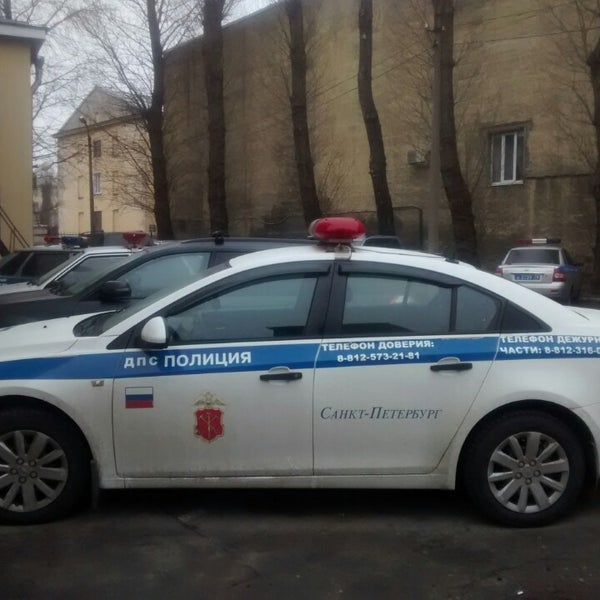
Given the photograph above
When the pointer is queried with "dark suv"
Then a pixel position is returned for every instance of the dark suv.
(152, 269)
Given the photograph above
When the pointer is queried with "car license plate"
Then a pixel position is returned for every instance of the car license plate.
(527, 277)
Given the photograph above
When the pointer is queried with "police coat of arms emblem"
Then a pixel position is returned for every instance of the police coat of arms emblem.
(209, 417)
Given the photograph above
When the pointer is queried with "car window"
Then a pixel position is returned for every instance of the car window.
(42, 262)
(476, 311)
(277, 307)
(88, 280)
(98, 324)
(165, 272)
(387, 305)
(515, 320)
(548, 256)
(11, 263)
(88, 265)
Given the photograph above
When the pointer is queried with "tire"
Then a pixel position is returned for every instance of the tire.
(542, 487)
(44, 466)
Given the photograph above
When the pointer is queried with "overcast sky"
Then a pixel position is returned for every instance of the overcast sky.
(248, 6)
(54, 117)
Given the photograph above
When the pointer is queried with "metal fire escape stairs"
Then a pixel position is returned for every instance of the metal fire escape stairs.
(10, 236)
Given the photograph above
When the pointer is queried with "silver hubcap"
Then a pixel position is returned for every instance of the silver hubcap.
(528, 472)
(33, 470)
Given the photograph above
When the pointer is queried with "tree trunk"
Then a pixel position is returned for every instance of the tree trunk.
(154, 121)
(377, 160)
(7, 4)
(212, 53)
(593, 61)
(457, 192)
(298, 103)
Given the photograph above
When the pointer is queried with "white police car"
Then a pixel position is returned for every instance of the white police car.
(76, 268)
(29, 263)
(542, 265)
(309, 366)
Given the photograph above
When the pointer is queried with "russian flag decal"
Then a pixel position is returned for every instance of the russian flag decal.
(139, 397)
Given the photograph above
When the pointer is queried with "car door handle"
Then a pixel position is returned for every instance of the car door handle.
(286, 376)
(453, 366)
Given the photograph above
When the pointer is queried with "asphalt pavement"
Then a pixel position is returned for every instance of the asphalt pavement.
(287, 544)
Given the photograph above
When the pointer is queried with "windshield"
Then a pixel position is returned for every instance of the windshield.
(98, 324)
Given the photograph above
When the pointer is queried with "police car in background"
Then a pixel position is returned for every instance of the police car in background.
(38, 266)
(78, 267)
(324, 365)
(27, 264)
(542, 265)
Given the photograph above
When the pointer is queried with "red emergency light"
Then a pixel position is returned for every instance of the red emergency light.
(336, 230)
(134, 238)
(52, 239)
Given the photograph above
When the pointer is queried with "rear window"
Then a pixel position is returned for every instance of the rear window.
(42, 262)
(12, 263)
(548, 256)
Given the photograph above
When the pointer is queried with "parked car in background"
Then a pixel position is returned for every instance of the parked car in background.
(544, 266)
(80, 266)
(144, 273)
(33, 262)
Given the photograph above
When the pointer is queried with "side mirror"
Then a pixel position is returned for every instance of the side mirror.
(115, 291)
(154, 333)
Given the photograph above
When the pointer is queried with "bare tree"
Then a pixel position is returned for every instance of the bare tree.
(377, 161)
(55, 79)
(213, 12)
(578, 54)
(299, 111)
(130, 42)
(457, 191)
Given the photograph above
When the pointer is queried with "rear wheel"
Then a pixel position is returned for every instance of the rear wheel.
(44, 466)
(524, 469)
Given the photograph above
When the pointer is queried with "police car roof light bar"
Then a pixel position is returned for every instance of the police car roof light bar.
(73, 241)
(336, 230)
(134, 238)
(51, 239)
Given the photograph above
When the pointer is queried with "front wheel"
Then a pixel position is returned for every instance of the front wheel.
(44, 466)
(524, 469)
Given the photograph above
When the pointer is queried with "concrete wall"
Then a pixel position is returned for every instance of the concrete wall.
(512, 68)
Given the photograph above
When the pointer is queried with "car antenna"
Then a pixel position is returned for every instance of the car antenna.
(218, 237)
(452, 258)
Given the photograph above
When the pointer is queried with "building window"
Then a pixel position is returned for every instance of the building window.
(97, 145)
(97, 184)
(81, 185)
(506, 157)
